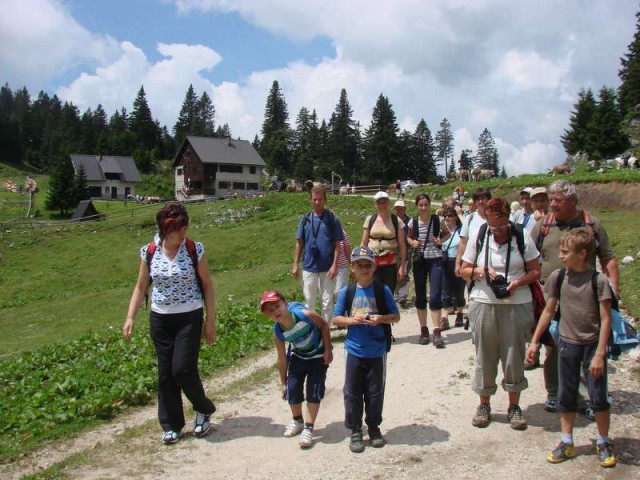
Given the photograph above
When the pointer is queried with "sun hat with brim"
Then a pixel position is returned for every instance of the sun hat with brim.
(538, 191)
(527, 190)
(381, 196)
(399, 203)
(362, 253)
(270, 296)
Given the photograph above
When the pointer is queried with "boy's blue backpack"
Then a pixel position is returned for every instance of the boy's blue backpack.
(622, 337)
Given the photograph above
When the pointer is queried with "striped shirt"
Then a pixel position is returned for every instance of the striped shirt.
(431, 250)
(303, 336)
(344, 252)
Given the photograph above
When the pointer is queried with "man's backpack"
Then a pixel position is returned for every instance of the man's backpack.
(622, 336)
(307, 218)
(549, 221)
(193, 254)
(381, 304)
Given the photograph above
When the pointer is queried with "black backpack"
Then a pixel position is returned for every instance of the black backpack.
(306, 218)
(394, 221)
(378, 290)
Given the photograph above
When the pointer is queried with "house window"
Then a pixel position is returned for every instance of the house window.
(179, 171)
(252, 186)
(107, 190)
(230, 168)
(112, 176)
(252, 170)
(238, 185)
(224, 184)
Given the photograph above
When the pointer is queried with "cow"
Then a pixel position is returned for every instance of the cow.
(561, 169)
(463, 175)
(633, 162)
(485, 174)
(475, 174)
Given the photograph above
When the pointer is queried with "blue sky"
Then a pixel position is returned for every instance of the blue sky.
(512, 67)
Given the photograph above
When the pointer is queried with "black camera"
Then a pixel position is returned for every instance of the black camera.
(499, 287)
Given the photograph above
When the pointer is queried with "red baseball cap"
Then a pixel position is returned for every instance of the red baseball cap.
(270, 296)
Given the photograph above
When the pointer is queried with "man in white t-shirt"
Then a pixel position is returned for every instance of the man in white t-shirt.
(525, 216)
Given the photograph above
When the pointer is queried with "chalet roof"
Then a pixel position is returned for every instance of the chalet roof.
(95, 167)
(222, 150)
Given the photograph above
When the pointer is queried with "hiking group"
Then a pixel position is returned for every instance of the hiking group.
(507, 267)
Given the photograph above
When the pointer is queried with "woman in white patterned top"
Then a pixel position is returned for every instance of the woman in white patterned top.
(178, 270)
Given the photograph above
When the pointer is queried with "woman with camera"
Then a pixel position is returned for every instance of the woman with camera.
(500, 308)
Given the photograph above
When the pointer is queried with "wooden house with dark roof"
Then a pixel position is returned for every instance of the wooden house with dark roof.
(108, 176)
(217, 166)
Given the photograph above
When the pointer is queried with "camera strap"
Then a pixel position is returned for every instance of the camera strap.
(486, 256)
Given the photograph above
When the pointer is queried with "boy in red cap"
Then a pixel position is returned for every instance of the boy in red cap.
(309, 356)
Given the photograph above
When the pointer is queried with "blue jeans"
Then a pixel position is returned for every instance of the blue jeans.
(364, 390)
(428, 268)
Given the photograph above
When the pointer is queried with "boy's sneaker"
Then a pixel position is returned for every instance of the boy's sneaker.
(201, 425)
(424, 336)
(482, 416)
(306, 438)
(459, 320)
(437, 339)
(561, 453)
(293, 429)
(516, 419)
(605, 455)
(356, 444)
(170, 437)
(376, 438)
(551, 405)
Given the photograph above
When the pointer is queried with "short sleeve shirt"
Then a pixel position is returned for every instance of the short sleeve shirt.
(431, 250)
(471, 224)
(365, 341)
(320, 234)
(481, 291)
(383, 236)
(174, 282)
(304, 335)
(579, 311)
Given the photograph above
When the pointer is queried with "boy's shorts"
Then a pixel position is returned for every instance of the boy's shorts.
(315, 371)
(570, 358)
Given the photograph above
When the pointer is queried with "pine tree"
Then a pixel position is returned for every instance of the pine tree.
(343, 146)
(610, 140)
(487, 154)
(381, 158)
(580, 137)
(503, 172)
(205, 114)
(424, 150)
(142, 127)
(303, 164)
(223, 131)
(444, 144)
(629, 74)
(80, 188)
(466, 160)
(61, 193)
(276, 134)
(187, 116)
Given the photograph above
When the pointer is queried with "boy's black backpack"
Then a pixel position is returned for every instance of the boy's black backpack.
(613, 349)
(378, 290)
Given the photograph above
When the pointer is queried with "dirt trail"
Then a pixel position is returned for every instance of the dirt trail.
(427, 423)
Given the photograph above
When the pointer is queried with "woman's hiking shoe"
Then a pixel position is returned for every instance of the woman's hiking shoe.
(293, 429)
(201, 425)
(356, 444)
(376, 438)
(170, 437)
(482, 417)
(444, 324)
(517, 421)
(561, 453)
(605, 455)
(437, 339)
(551, 406)
(424, 336)
(459, 320)
(306, 438)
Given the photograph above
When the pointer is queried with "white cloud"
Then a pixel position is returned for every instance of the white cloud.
(530, 69)
(533, 157)
(41, 40)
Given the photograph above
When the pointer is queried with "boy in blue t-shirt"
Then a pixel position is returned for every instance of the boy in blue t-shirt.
(310, 353)
(584, 327)
(366, 346)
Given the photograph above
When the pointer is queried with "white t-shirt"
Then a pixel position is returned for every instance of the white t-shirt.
(481, 291)
(471, 224)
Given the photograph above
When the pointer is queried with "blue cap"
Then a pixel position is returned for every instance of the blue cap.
(362, 253)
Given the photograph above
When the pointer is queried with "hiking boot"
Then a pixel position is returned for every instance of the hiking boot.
(437, 339)
(294, 428)
(561, 453)
(356, 444)
(605, 455)
(444, 324)
(170, 437)
(459, 320)
(201, 425)
(424, 336)
(517, 421)
(306, 438)
(551, 405)
(482, 416)
(376, 438)
(466, 324)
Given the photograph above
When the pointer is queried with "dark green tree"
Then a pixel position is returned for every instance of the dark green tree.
(187, 116)
(206, 112)
(466, 160)
(119, 138)
(503, 172)
(629, 74)
(10, 148)
(611, 140)
(80, 187)
(381, 160)
(343, 140)
(424, 151)
(143, 129)
(276, 134)
(61, 194)
(487, 154)
(582, 132)
(302, 161)
(223, 131)
(444, 144)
